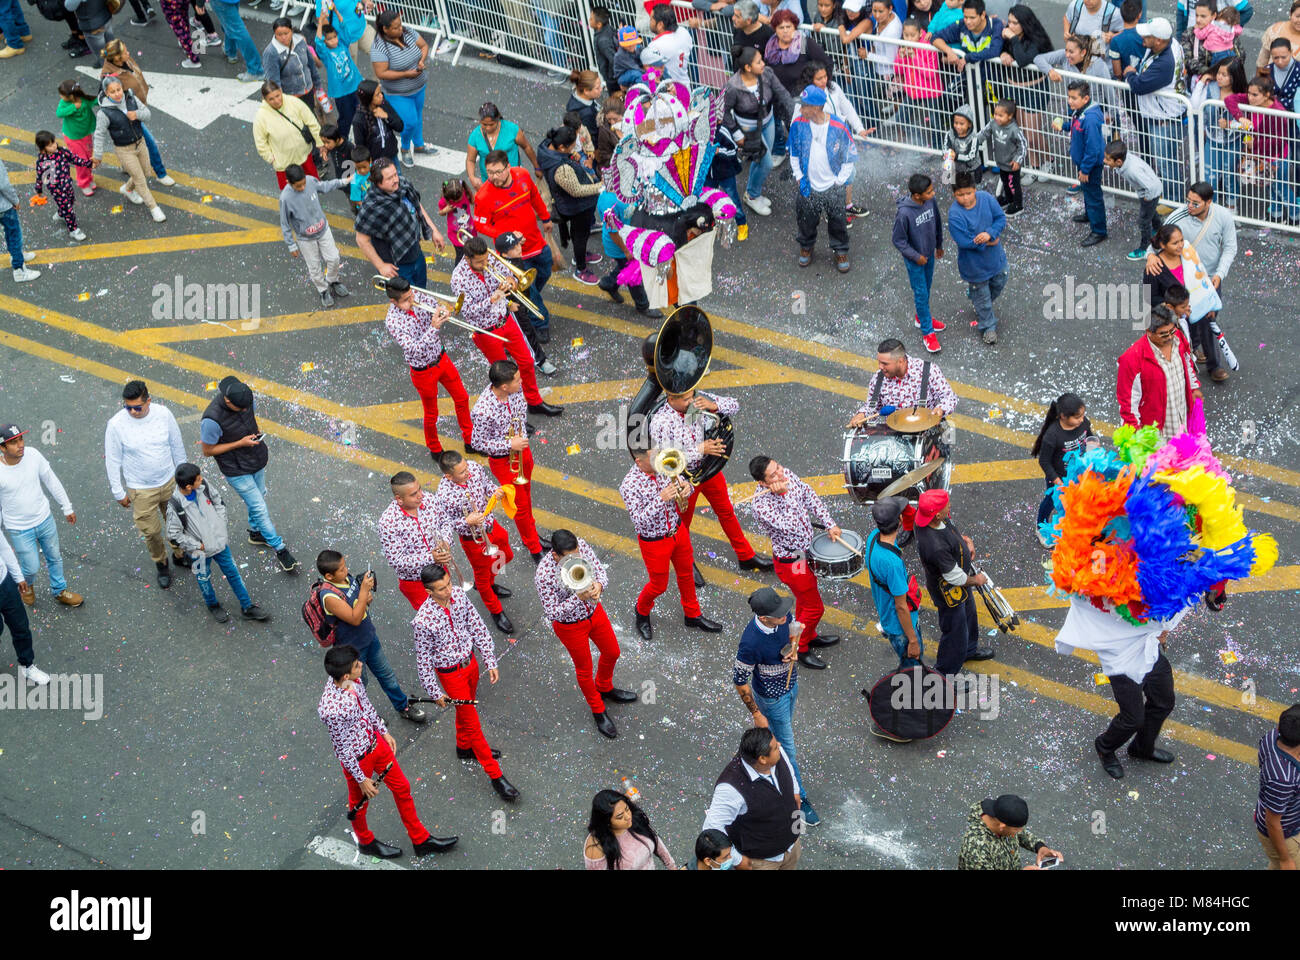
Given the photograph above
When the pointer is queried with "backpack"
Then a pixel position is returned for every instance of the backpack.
(320, 623)
(50, 9)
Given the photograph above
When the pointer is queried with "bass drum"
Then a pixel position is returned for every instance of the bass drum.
(832, 560)
(876, 455)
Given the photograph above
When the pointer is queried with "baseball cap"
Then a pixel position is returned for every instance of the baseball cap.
(237, 392)
(766, 602)
(813, 95)
(887, 511)
(10, 432)
(1009, 808)
(1158, 28)
(929, 504)
(508, 240)
(628, 37)
(853, 6)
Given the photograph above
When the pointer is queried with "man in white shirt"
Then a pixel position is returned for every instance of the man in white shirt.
(756, 803)
(822, 157)
(27, 515)
(143, 448)
(671, 47)
(14, 616)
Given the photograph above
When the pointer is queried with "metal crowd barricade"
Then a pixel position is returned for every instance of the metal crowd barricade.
(550, 34)
(1252, 175)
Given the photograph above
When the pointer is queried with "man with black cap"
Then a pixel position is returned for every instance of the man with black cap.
(767, 652)
(946, 556)
(511, 247)
(27, 516)
(229, 433)
(891, 588)
(995, 832)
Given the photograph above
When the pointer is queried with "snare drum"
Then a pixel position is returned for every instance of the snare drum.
(836, 561)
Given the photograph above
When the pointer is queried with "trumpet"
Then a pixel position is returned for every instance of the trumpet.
(506, 274)
(380, 282)
(575, 574)
(671, 463)
(455, 567)
(518, 428)
(478, 533)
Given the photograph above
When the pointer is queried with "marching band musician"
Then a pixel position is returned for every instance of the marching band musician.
(669, 427)
(501, 432)
(486, 306)
(462, 494)
(580, 620)
(782, 506)
(410, 529)
(447, 631)
(664, 540)
(899, 384)
(416, 328)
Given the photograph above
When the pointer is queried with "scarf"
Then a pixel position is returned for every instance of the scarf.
(774, 54)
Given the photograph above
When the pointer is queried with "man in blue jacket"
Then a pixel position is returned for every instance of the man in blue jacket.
(977, 37)
(918, 235)
(822, 156)
(1087, 148)
(1155, 81)
(976, 222)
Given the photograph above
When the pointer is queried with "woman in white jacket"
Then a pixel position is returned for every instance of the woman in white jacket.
(120, 123)
(285, 132)
(837, 103)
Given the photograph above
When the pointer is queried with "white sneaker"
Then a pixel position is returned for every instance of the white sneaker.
(760, 205)
(33, 674)
(78, 234)
(57, 216)
(157, 214)
(130, 194)
(168, 181)
(188, 64)
(24, 274)
(777, 161)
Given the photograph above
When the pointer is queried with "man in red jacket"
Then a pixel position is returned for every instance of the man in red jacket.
(1157, 377)
(510, 201)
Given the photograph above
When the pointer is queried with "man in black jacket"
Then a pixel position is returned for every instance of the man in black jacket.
(756, 802)
(946, 556)
(229, 433)
(605, 43)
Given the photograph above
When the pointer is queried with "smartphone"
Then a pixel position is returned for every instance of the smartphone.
(1049, 862)
(259, 437)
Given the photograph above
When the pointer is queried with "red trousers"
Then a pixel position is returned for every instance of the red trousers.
(462, 684)
(808, 606)
(658, 555)
(519, 352)
(426, 385)
(500, 467)
(486, 568)
(715, 491)
(396, 781)
(308, 167)
(413, 590)
(577, 639)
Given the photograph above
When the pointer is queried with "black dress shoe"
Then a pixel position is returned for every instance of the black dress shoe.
(183, 560)
(605, 725)
(699, 577)
(505, 789)
(1092, 239)
(384, 851)
(643, 627)
(650, 313)
(812, 661)
(756, 563)
(1155, 756)
(825, 640)
(703, 623)
(1080, 218)
(503, 622)
(537, 557)
(618, 695)
(469, 754)
(435, 845)
(164, 575)
(545, 409)
(505, 593)
(982, 653)
(414, 714)
(1109, 762)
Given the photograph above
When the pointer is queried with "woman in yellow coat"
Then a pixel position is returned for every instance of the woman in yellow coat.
(285, 131)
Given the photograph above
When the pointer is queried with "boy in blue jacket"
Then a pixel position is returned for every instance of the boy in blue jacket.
(1087, 150)
(918, 235)
(976, 222)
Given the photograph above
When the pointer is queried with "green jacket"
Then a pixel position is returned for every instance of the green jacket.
(79, 121)
(983, 850)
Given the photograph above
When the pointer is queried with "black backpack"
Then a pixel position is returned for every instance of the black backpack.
(50, 9)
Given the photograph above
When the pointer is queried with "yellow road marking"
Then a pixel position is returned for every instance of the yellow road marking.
(188, 242)
(285, 323)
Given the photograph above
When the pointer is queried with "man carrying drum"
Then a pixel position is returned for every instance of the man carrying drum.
(899, 384)
(782, 507)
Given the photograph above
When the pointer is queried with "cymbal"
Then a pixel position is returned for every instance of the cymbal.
(911, 478)
(914, 419)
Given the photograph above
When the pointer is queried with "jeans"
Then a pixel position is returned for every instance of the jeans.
(1220, 171)
(609, 283)
(728, 186)
(899, 643)
(155, 158)
(237, 37)
(921, 278)
(13, 23)
(44, 535)
(411, 110)
(808, 212)
(251, 488)
(1045, 507)
(1148, 221)
(414, 273)
(374, 658)
(203, 574)
(1202, 336)
(982, 295)
(13, 236)
(1160, 144)
(347, 108)
(14, 614)
(551, 36)
(758, 170)
(1094, 204)
(780, 720)
(779, 142)
(543, 262)
(1283, 192)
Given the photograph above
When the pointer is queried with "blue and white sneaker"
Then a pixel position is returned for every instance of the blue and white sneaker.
(809, 814)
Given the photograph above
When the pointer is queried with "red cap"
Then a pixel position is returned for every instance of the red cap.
(929, 504)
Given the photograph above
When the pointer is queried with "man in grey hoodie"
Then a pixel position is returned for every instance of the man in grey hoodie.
(301, 214)
(196, 522)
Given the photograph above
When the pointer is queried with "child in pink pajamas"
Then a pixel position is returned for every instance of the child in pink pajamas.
(52, 164)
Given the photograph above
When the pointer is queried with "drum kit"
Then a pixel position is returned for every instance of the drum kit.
(902, 454)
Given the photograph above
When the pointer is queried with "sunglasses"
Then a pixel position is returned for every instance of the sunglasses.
(134, 408)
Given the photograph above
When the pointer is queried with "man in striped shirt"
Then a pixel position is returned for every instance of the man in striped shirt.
(1277, 813)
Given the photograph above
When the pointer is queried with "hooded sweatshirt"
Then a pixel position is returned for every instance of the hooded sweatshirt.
(293, 68)
(966, 149)
(1009, 144)
(112, 126)
(278, 133)
(197, 523)
(918, 229)
(300, 210)
(1087, 143)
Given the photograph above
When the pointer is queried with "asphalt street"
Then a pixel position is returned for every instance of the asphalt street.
(215, 727)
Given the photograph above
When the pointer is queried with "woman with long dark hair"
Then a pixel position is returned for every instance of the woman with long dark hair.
(375, 126)
(751, 100)
(1222, 142)
(1023, 39)
(619, 836)
(1065, 429)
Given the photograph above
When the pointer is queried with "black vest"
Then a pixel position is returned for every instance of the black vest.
(567, 205)
(767, 827)
(122, 130)
(235, 425)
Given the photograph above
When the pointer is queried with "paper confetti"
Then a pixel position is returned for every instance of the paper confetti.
(83, 297)
(1132, 794)
(577, 342)
(4, 142)
(211, 385)
(1210, 756)
(941, 754)
(206, 198)
(1227, 656)
(572, 449)
(115, 209)
(306, 367)
(994, 412)
(1100, 678)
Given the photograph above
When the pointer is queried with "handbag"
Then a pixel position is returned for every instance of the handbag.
(306, 134)
(913, 587)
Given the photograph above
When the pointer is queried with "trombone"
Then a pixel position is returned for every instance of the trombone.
(455, 567)
(671, 463)
(518, 428)
(380, 282)
(506, 273)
